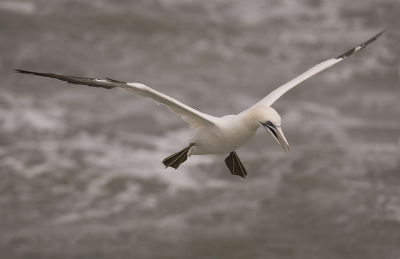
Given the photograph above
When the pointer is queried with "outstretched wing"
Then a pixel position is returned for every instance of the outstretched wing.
(277, 93)
(195, 118)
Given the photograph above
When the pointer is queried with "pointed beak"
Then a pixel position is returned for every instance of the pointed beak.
(277, 133)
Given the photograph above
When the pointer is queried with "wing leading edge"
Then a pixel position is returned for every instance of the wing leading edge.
(277, 93)
(195, 118)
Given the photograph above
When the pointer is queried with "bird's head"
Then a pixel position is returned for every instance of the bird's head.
(268, 118)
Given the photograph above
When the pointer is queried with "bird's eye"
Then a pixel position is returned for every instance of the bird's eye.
(268, 123)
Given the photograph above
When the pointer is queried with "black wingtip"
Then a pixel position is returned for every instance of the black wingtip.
(375, 37)
(363, 45)
(22, 71)
(32, 73)
(116, 81)
(383, 31)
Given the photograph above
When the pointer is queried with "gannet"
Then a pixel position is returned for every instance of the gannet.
(214, 135)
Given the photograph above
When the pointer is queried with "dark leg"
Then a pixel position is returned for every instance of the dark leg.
(235, 165)
(178, 158)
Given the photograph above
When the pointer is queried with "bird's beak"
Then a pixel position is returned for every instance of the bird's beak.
(277, 133)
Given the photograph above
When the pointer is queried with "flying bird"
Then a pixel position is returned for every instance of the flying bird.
(214, 135)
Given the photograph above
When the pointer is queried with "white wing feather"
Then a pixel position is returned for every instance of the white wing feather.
(195, 118)
(277, 93)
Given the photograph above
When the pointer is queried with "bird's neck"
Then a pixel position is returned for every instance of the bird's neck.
(245, 118)
(240, 124)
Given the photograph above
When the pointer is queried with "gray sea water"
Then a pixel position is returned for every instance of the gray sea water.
(80, 168)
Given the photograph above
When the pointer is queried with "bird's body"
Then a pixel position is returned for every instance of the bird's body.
(216, 135)
(226, 135)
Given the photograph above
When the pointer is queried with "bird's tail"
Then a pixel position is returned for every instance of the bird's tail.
(178, 158)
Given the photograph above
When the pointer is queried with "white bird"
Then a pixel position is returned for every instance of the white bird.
(216, 135)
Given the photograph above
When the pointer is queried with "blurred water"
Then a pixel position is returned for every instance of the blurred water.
(80, 168)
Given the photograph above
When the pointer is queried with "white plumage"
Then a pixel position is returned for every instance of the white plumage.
(216, 135)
